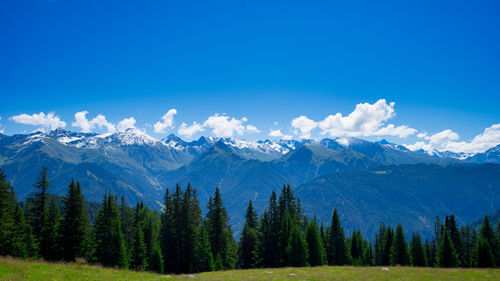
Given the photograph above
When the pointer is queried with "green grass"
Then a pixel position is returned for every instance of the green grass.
(14, 269)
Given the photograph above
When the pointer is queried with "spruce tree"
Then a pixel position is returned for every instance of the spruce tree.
(269, 227)
(483, 255)
(387, 246)
(356, 249)
(297, 248)
(486, 231)
(446, 254)
(429, 253)
(249, 239)
(219, 232)
(127, 223)
(451, 226)
(315, 246)
(336, 242)
(11, 228)
(49, 239)
(399, 251)
(469, 239)
(36, 203)
(110, 248)
(418, 256)
(75, 225)
(138, 255)
(204, 260)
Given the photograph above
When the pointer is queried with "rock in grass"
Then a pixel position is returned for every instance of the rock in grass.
(385, 269)
(292, 275)
(191, 277)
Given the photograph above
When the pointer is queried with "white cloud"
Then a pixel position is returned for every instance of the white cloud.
(279, 134)
(224, 126)
(252, 129)
(49, 120)
(399, 131)
(126, 124)
(189, 131)
(304, 125)
(166, 122)
(87, 126)
(366, 120)
(448, 140)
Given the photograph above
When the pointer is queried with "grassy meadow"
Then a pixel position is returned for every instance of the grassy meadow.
(15, 269)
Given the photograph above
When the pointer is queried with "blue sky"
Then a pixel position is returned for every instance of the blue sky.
(438, 61)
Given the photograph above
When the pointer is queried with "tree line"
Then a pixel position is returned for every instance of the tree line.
(180, 240)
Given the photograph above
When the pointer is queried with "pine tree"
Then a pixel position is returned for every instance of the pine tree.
(483, 255)
(451, 226)
(418, 256)
(446, 254)
(204, 260)
(219, 231)
(267, 256)
(75, 225)
(387, 246)
(429, 253)
(110, 248)
(399, 250)
(379, 244)
(356, 249)
(249, 239)
(49, 238)
(486, 231)
(297, 248)
(138, 255)
(315, 246)
(36, 203)
(336, 242)
(11, 242)
(469, 239)
(368, 256)
(127, 223)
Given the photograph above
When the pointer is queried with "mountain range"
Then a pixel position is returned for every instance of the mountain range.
(359, 177)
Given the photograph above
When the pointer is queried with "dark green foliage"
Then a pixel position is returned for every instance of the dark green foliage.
(430, 258)
(336, 251)
(469, 239)
(110, 248)
(399, 252)
(180, 223)
(75, 225)
(138, 255)
(219, 232)
(446, 254)
(204, 260)
(156, 262)
(36, 203)
(249, 240)
(50, 247)
(488, 233)
(317, 254)
(386, 246)
(452, 228)
(483, 255)
(269, 230)
(417, 250)
(127, 223)
(356, 248)
(297, 248)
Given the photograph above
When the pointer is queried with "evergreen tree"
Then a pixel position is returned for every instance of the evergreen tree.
(204, 260)
(469, 238)
(219, 232)
(486, 231)
(379, 244)
(156, 263)
(399, 251)
(12, 224)
(452, 228)
(430, 258)
(138, 255)
(336, 242)
(49, 242)
(417, 250)
(36, 203)
(368, 256)
(110, 248)
(127, 223)
(269, 228)
(356, 248)
(297, 248)
(387, 246)
(249, 239)
(316, 251)
(483, 255)
(75, 225)
(446, 255)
